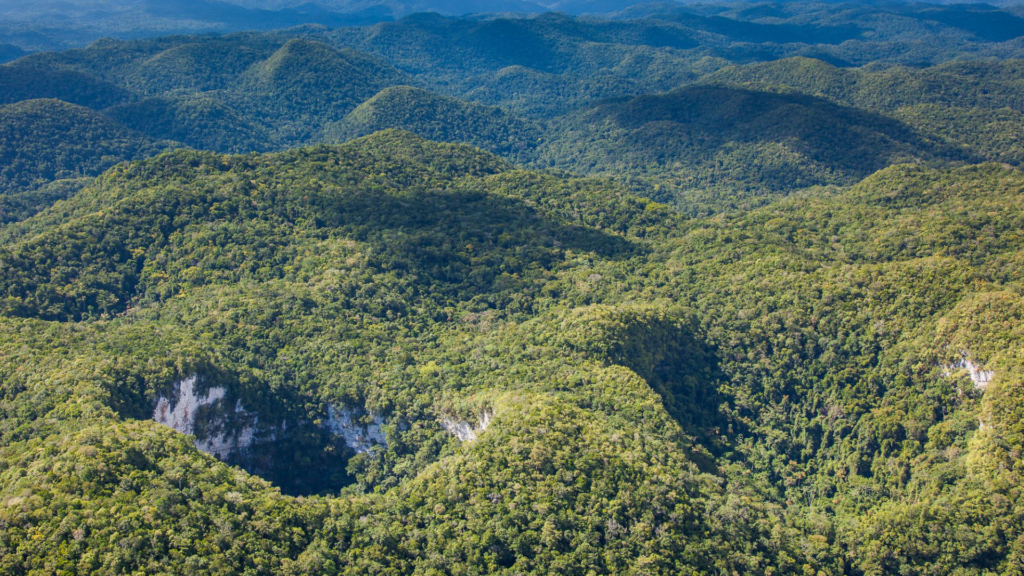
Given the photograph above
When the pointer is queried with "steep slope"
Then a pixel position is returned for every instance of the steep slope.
(439, 118)
(45, 140)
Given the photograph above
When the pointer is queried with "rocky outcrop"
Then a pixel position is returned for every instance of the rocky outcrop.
(351, 425)
(220, 430)
(466, 431)
(978, 374)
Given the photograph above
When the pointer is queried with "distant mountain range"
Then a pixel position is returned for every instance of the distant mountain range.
(40, 25)
(697, 107)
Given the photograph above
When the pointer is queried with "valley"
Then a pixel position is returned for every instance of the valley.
(670, 289)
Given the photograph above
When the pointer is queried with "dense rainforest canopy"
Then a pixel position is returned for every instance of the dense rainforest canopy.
(702, 290)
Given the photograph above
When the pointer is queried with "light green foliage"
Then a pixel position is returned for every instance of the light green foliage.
(755, 392)
(776, 389)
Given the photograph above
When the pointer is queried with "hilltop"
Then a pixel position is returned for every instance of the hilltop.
(46, 140)
(439, 118)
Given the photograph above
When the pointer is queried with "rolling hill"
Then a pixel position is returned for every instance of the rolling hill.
(682, 289)
(10, 52)
(988, 84)
(703, 136)
(568, 93)
(46, 140)
(25, 82)
(579, 379)
(202, 123)
(311, 81)
(438, 118)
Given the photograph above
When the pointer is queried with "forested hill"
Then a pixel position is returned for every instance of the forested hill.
(46, 140)
(737, 138)
(672, 290)
(566, 378)
(705, 109)
(439, 118)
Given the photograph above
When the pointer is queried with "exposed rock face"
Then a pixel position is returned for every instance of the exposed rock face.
(180, 413)
(978, 374)
(182, 417)
(222, 431)
(347, 423)
(465, 431)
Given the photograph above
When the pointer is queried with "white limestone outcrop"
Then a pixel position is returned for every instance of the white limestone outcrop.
(225, 430)
(465, 431)
(978, 374)
(179, 413)
(347, 423)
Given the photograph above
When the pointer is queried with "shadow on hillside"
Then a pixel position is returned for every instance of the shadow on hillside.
(456, 243)
(664, 346)
(287, 448)
(694, 123)
(453, 235)
(683, 369)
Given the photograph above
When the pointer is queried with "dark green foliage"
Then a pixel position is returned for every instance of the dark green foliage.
(738, 139)
(45, 140)
(793, 122)
(176, 65)
(565, 60)
(993, 134)
(438, 118)
(985, 84)
(19, 205)
(57, 25)
(310, 81)
(987, 25)
(228, 93)
(756, 32)
(20, 82)
(10, 52)
(197, 122)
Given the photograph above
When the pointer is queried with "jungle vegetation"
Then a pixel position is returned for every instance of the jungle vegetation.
(716, 289)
